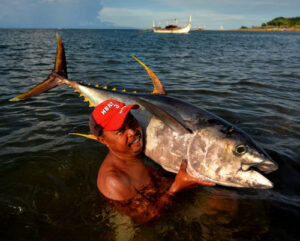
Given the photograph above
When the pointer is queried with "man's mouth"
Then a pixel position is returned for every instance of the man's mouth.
(136, 140)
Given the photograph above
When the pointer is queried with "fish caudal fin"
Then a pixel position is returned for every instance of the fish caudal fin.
(54, 79)
(60, 66)
(158, 88)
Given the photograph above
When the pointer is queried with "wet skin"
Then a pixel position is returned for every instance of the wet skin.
(123, 174)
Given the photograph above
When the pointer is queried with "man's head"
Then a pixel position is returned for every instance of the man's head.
(115, 127)
(109, 116)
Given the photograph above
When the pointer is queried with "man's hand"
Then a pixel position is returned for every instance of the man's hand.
(184, 181)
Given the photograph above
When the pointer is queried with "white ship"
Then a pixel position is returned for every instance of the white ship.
(173, 28)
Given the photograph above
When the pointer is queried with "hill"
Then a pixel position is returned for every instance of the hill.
(281, 21)
(277, 24)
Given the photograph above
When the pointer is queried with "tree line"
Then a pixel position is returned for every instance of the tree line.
(281, 21)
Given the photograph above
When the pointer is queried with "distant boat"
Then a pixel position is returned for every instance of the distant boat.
(173, 28)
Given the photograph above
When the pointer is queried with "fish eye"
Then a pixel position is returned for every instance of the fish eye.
(240, 149)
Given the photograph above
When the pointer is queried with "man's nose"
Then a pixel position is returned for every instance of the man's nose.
(131, 132)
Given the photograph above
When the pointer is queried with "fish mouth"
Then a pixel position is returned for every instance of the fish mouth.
(265, 166)
(253, 171)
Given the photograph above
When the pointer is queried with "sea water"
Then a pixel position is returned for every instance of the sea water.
(48, 177)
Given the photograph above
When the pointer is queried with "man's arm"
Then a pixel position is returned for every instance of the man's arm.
(116, 187)
(144, 208)
(182, 181)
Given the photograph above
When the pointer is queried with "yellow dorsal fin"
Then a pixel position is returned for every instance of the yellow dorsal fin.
(158, 88)
(89, 136)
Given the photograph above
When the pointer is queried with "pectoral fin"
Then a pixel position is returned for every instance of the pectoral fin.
(165, 117)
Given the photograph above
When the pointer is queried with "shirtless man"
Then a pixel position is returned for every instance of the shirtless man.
(135, 189)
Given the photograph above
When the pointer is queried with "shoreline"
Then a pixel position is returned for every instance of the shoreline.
(264, 30)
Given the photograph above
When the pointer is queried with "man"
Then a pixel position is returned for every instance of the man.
(123, 178)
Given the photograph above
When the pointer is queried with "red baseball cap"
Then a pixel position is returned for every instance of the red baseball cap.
(111, 114)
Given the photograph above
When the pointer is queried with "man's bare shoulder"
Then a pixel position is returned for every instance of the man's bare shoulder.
(115, 184)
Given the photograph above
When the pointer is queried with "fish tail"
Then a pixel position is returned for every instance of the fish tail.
(57, 77)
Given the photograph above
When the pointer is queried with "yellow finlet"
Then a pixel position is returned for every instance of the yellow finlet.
(105, 87)
(85, 99)
(97, 86)
(114, 89)
(123, 90)
(75, 90)
(80, 95)
(90, 136)
(158, 87)
(89, 84)
(91, 104)
(134, 91)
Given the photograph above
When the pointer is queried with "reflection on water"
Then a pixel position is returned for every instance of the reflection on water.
(48, 178)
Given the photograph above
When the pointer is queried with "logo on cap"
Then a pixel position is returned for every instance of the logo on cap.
(107, 108)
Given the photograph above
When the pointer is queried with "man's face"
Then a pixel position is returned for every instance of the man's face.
(126, 141)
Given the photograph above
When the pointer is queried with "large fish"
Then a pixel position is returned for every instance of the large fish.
(215, 150)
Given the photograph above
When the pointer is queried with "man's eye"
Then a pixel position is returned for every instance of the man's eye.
(120, 131)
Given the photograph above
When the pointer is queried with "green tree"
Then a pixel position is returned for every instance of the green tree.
(281, 21)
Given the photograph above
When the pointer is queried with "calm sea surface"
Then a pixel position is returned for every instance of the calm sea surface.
(48, 177)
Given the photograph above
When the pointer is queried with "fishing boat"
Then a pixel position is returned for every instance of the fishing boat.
(173, 28)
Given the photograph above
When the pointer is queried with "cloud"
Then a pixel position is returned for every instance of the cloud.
(213, 13)
(141, 18)
(49, 13)
(225, 4)
(140, 14)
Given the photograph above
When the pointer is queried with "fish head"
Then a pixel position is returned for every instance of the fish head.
(229, 157)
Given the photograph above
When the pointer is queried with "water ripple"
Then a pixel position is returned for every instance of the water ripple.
(48, 177)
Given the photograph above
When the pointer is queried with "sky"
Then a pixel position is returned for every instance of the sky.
(106, 14)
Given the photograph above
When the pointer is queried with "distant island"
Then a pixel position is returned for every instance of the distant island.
(277, 24)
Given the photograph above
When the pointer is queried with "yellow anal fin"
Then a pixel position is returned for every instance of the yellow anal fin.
(89, 136)
(158, 88)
